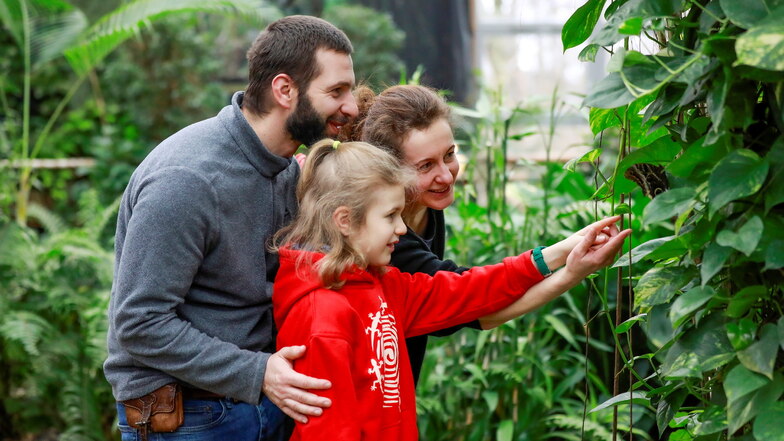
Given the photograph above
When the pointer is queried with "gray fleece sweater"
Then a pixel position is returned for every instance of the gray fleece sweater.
(191, 298)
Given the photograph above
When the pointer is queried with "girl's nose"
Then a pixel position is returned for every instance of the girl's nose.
(400, 226)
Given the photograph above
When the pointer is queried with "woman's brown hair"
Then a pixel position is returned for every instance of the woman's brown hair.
(386, 119)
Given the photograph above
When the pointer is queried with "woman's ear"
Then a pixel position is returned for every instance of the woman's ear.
(342, 218)
(284, 92)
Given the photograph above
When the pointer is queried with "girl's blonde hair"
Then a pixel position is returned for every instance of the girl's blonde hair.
(337, 175)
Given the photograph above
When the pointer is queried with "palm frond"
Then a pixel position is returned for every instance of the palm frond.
(52, 34)
(49, 220)
(116, 27)
(12, 17)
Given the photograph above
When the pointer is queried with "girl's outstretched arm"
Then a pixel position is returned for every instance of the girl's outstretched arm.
(584, 259)
(555, 255)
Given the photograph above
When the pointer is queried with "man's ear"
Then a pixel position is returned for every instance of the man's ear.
(342, 218)
(284, 92)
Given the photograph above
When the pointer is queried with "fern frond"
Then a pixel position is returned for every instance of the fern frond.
(52, 223)
(52, 34)
(129, 19)
(94, 225)
(18, 248)
(593, 429)
(25, 327)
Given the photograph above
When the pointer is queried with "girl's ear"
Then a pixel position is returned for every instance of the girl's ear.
(342, 218)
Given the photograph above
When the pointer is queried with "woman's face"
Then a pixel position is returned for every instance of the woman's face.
(432, 154)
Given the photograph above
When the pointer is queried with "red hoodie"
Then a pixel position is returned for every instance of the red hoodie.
(355, 336)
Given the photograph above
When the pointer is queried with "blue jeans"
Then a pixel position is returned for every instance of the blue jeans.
(219, 420)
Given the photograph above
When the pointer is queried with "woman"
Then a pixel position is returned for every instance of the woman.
(413, 123)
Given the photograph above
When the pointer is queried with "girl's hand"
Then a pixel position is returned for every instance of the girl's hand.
(555, 255)
(587, 257)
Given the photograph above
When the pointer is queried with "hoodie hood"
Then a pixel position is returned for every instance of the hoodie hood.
(292, 283)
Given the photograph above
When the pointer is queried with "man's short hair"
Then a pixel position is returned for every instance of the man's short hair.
(289, 46)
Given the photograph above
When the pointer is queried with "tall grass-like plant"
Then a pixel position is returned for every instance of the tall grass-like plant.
(696, 90)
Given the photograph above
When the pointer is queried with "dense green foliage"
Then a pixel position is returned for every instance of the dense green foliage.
(695, 92)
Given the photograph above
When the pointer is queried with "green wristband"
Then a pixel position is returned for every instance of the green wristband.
(540, 263)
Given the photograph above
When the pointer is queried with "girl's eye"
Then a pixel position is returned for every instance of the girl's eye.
(425, 167)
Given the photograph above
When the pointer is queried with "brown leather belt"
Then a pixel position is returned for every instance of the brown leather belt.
(189, 393)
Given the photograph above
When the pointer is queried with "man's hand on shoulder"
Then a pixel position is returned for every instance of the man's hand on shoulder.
(287, 389)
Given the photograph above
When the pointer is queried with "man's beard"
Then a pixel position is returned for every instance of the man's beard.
(305, 125)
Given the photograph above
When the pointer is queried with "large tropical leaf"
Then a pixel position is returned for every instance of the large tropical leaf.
(128, 20)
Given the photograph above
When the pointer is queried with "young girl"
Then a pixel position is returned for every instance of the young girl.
(335, 294)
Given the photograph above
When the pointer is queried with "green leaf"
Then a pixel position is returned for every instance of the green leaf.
(697, 159)
(659, 152)
(781, 332)
(491, 398)
(748, 13)
(622, 209)
(763, 45)
(741, 381)
(627, 324)
(699, 349)
(623, 398)
(609, 93)
(742, 410)
(658, 327)
(668, 204)
(741, 333)
(713, 260)
(589, 156)
(767, 425)
(761, 356)
(774, 193)
(600, 119)
(739, 174)
(665, 411)
(640, 251)
(742, 301)
(681, 435)
(505, 430)
(632, 26)
(660, 284)
(561, 329)
(580, 25)
(588, 54)
(746, 238)
(689, 302)
(712, 420)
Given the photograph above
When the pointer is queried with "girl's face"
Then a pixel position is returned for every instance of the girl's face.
(432, 154)
(383, 225)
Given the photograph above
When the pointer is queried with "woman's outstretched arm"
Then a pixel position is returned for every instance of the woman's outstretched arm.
(585, 258)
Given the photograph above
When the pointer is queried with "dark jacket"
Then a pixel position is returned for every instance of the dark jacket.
(412, 255)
